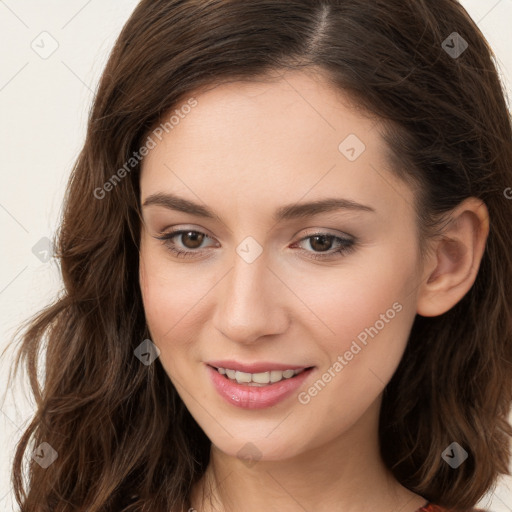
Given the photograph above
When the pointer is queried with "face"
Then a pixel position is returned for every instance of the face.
(258, 277)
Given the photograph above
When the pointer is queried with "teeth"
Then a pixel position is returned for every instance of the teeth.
(242, 377)
(261, 378)
(258, 379)
(275, 375)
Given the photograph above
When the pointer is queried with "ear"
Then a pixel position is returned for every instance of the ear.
(452, 265)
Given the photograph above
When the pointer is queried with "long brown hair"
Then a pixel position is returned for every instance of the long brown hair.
(124, 439)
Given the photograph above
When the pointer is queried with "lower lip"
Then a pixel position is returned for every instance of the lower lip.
(256, 397)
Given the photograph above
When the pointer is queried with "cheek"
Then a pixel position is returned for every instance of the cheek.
(172, 305)
(172, 300)
(352, 297)
(371, 310)
(366, 313)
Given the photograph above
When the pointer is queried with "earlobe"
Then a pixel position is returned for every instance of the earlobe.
(452, 265)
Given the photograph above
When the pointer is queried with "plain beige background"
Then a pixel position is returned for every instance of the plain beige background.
(46, 89)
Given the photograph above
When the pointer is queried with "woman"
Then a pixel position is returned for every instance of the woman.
(285, 260)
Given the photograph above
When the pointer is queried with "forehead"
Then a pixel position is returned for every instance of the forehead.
(250, 142)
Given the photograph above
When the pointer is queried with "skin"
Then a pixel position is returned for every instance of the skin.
(245, 150)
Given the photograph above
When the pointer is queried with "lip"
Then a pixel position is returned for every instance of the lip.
(254, 367)
(256, 397)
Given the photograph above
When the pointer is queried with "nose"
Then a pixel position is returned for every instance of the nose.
(251, 302)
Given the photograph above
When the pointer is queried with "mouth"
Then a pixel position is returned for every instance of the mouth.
(259, 379)
(275, 386)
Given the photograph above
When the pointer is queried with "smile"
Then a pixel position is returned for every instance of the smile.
(243, 390)
(258, 379)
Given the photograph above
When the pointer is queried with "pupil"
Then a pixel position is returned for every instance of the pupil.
(197, 238)
(324, 246)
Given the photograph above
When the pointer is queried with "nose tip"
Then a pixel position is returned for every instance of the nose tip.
(250, 304)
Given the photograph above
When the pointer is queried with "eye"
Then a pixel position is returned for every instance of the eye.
(190, 238)
(323, 242)
(191, 241)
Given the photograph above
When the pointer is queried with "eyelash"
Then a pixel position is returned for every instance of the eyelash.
(347, 244)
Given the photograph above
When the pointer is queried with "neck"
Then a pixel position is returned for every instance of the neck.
(346, 473)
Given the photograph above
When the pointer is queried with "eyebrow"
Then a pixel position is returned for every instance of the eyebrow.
(286, 212)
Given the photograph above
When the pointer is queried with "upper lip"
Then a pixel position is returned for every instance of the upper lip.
(258, 367)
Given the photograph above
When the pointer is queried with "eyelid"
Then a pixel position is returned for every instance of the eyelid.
(166, 236)
(172, 231)
(346, 244)
(175, 230)
(327, 232)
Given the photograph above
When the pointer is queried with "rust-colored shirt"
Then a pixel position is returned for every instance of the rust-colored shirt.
(430, 507)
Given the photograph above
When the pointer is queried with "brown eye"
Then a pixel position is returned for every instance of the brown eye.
(195, 238)
(321, 242)
(331, 245)
(184, 243)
